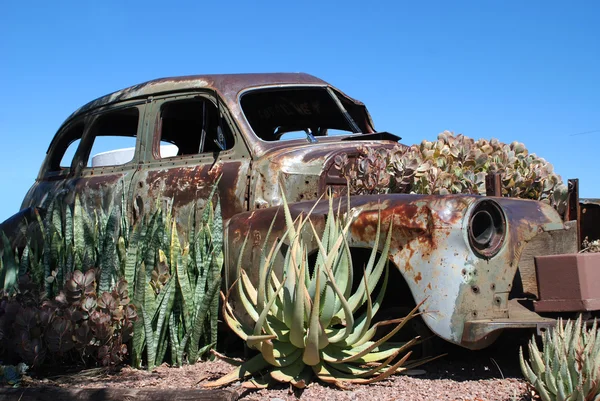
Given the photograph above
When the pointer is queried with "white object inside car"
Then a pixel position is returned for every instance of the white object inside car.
(121, 156)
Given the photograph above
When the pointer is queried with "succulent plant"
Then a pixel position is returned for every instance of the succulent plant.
(178, 299)
(454, 164)
(309, 322)
(76, 322)
(588, 246)
(11, 375)
(82, 255)
(96, 326)
(568, 366)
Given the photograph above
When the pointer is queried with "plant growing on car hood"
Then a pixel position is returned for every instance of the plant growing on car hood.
(306, 324)
(454, 164)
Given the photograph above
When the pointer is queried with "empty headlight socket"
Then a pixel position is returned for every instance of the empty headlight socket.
(487, 228)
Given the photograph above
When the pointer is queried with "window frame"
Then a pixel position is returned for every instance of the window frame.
(48, 167)
(283, 87)
(83, 152)
(239, 148)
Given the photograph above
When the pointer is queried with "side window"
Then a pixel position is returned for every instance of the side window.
(67, 158)
(114, 136)
(65, 148)
(190, 127)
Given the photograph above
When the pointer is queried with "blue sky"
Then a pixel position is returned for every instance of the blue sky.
(513, 70)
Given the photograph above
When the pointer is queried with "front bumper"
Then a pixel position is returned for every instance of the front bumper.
(478, 334)
(567, 284)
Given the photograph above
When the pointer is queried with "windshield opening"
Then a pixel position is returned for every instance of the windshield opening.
(294, 113)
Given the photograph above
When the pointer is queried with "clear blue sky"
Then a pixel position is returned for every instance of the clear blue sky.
(514, 70)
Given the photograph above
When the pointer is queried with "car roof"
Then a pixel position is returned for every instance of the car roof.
(227, 85)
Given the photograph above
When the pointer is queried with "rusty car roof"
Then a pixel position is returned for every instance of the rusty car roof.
(227, 85)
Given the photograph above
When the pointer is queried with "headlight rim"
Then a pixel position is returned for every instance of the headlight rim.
(486, 228)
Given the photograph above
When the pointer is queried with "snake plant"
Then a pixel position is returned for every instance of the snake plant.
(176, 284)
(309, 322)
(568, 367)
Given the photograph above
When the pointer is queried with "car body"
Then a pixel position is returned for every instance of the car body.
(263, 136)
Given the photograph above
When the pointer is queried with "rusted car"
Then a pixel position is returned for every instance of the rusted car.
(471, 258)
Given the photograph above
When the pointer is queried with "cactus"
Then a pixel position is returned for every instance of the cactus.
(568, 367)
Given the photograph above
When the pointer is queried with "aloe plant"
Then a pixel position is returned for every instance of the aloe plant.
(308, 322)
(568, 366)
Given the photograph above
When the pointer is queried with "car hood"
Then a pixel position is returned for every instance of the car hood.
(304, 171)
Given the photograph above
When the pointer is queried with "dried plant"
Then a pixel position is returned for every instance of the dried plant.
(590, 246)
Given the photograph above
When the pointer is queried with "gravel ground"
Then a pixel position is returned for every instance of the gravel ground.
(461, 375)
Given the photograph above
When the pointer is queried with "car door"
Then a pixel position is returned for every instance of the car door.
(195, 144)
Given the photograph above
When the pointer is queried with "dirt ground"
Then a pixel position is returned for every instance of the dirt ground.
(492, 374)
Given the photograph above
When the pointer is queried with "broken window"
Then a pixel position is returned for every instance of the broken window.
(191, 127)
(292, 113)
(114, 136)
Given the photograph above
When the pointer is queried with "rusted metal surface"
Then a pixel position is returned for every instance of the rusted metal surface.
(188, 187)
(573, 209)
(429, 247)
(568, 283)
(546, 243)
(459, 253)
(18, 229)
(480, 333)
(573, 201)
(229, 87)
(493, 185)
(588, 222)
(303, 171)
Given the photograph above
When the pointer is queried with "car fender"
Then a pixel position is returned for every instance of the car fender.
(430, 247)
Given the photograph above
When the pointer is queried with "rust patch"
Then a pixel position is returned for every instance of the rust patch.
(257, 238)
(418, 278)
(186, 185)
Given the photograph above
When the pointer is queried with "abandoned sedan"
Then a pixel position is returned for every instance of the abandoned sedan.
(470, 261)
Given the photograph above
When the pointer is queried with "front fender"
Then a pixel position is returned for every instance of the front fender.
(430, 247)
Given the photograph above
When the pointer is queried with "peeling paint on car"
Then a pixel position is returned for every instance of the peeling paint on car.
(466, 292)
